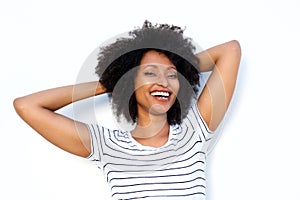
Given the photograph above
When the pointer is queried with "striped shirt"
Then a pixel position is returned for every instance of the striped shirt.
(174, 171)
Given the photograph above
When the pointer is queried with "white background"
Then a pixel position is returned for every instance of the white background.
(43, 44)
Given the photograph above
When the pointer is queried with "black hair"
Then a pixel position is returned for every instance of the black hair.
(117, 59)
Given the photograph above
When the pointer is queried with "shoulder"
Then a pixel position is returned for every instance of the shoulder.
(106, 132)
(195, 121)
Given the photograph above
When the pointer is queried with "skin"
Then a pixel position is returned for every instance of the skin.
(224, 61)
(38, 109)
(156, 73)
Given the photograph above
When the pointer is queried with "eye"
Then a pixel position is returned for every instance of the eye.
(172, 75)
(149, 73)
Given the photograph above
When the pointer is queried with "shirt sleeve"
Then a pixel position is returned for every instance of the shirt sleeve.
(95, 132)
(199, 125)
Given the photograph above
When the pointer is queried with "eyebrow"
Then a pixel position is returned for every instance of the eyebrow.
(157, 66)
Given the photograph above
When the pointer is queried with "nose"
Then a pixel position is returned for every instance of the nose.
(163, 80)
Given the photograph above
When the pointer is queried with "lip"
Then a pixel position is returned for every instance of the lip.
(166, 91)
(161, 98)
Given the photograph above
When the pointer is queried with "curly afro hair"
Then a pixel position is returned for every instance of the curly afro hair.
(118, 61)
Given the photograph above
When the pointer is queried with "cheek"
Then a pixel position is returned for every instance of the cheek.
(143, 82)
(141, 91)
(139, 82)
(175, 86)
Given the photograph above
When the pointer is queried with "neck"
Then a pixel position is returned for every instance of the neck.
(151, 126)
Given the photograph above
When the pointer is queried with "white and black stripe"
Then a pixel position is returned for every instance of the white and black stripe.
(174, 171)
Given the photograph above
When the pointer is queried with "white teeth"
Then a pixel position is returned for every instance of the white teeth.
(164, 94)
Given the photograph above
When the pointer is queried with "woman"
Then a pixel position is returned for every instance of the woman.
(152, 77)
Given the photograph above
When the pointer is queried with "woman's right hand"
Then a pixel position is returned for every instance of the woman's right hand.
(38, 111)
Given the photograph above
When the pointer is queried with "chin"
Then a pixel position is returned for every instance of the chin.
(159, 109)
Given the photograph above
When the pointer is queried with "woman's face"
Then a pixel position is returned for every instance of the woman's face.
(156, 84)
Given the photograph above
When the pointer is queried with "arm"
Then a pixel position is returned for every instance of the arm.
(223, 60)
(38, 111)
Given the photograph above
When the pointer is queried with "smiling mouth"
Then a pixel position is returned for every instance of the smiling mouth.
(161, 95)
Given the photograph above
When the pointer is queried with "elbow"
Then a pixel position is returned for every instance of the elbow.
(233, 51)
(17, 104)
(20, 105)
(235, 46)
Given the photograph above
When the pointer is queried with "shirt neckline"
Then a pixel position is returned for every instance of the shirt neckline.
(172, 129)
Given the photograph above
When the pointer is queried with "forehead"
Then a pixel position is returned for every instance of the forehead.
(153, 56)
